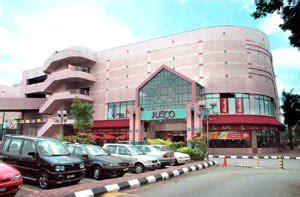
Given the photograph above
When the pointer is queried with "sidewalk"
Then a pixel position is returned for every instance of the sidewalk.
(75, 188)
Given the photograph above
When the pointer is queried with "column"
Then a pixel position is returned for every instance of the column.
(189, 122)
(132, 124)
(197, 118)
(254, 142)
(139, 126)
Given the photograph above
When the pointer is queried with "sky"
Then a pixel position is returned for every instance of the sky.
(30, 30)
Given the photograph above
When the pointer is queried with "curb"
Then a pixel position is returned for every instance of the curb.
(252, 157)
(134, 183)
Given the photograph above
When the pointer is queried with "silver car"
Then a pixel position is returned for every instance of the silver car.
(142, 161)
(166, 157)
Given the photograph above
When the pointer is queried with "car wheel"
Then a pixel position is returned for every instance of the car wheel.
(97, 173)
(139, 168)
(43, 180)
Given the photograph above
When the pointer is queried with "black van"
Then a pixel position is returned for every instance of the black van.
(44, 160)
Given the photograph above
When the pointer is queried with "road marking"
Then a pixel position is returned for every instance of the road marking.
(164, 175)
(151, 179)
(134, 183)
(185, 170)
(113, 187)
(87, 192)
(176, 173)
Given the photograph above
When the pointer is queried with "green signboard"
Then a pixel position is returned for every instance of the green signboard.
(164, 114)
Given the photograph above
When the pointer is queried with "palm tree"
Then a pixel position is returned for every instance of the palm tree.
(290, 106)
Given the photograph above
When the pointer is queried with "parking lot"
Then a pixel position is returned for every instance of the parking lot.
(30, 187)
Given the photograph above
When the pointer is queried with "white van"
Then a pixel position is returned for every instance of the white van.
(142, 160)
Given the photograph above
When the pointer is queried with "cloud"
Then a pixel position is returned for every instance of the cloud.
(35, 36)
(270, 24)
(286, 57)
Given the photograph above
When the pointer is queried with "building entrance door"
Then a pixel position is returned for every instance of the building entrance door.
(177, 138)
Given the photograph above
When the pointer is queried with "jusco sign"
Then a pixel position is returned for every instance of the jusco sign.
(163, 114)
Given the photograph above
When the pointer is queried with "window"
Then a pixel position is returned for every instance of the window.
(266, 139)
(165, 91)
(79, 151)
(6, 143)
(119, 110)
(145, 149)
(123, 151)
(28, 147)
(264, 105)
(15, 146)
(112, 149)
(231, 103)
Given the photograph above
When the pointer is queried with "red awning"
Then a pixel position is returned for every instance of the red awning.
(108, 137)
(96, 137)
(243, 119)
(124, 123)
(123, 137)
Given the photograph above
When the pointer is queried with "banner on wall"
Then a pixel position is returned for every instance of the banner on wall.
(229, 135)
(239, 106)
(224, 105)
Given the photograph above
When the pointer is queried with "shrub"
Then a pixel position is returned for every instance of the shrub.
(173, 145)
(195, 154)
(159, 142)
(82, 139)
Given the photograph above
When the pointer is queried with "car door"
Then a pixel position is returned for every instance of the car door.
(28, 163)
(12, 154)
(124, 152)
(79, 151)
(112, 149)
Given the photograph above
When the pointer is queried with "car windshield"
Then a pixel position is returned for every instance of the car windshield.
(95, 150)
(51, 147)
(157, 148)
(165, 148)
(135, 150)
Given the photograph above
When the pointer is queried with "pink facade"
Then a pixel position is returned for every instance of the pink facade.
(224, 59)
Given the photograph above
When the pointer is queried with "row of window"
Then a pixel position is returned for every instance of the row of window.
(238, 103)
(165, 91)
(225, 103)
(264, 105)
(119, 110)
(228, 103)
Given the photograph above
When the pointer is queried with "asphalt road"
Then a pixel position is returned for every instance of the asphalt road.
(232, 181)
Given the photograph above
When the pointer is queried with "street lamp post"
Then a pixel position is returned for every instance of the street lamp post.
(206, 113)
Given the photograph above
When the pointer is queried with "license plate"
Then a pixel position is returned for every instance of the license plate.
(156, 165)
(2, 189)
(125, 169)
(70, 176)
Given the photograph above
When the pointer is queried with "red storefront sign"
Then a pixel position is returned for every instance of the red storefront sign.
(229, 135)
(242, 128)
(239, 106)
(224, 105)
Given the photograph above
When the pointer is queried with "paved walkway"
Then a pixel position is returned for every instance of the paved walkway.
(79, 187)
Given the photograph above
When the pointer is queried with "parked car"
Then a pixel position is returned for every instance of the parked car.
(143, 161)
(98, 163)
(44, 160)
(180, 158)
(166, 157)
(130, 142)
(10, 180)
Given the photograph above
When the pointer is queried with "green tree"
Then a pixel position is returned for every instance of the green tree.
(289, 12)
(291, 112)
(83, 114)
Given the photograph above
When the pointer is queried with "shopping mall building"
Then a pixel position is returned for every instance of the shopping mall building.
(159, 88)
